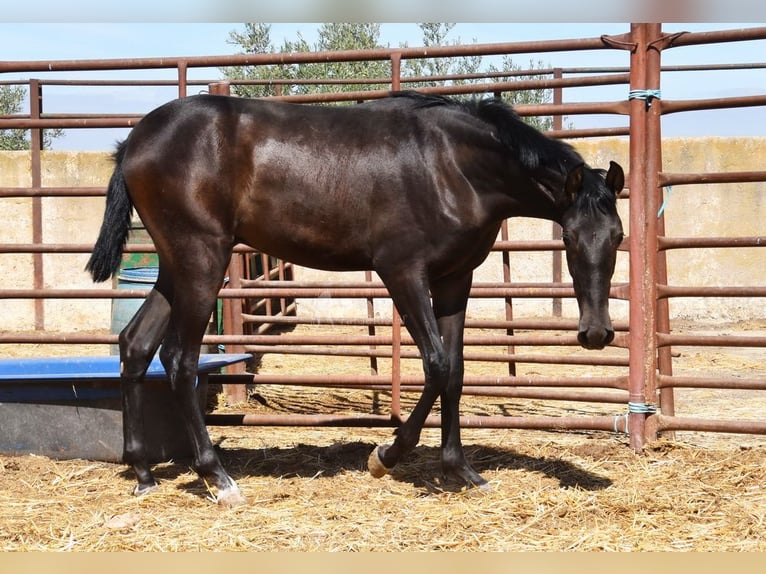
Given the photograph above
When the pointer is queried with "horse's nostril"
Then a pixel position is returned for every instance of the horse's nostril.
(593, 338)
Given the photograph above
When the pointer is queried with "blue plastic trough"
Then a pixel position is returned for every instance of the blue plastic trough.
(70, 407)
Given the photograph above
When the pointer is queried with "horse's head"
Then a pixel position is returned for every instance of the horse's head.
(592, 232)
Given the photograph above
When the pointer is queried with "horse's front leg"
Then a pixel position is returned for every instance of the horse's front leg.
(410, 295)
(450, 300)
(441, 345)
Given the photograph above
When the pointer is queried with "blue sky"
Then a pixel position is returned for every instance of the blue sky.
(47, 41)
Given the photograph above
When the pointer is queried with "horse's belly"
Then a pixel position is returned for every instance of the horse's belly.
(315, 250)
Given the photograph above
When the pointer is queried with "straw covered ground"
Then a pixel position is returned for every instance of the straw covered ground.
(308, 489)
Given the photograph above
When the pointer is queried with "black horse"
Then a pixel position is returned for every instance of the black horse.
(414, 187)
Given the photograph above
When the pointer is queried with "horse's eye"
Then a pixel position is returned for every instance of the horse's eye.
(619, 238)
(566, 238)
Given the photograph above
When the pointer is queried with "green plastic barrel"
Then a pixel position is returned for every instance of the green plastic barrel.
(123, 309)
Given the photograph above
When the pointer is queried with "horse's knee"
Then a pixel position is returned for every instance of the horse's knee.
(436, 368)
(135, 355)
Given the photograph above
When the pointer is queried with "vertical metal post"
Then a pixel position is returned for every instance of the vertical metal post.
(220, 88)
(396, 363)
(371, 326)
(645, 167)
(508, 300)
(371, 332)
(182, 81)
(654, 167)
(282, 277)
(556, 271)
(36, 146)
(266, 266)
(396, 71)
(643, 246)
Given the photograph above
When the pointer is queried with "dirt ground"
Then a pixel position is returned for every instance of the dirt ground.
(309, 489)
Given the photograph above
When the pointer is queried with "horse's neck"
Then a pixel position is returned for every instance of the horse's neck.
(544, 195)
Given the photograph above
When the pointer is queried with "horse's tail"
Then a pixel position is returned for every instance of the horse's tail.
(107, 253)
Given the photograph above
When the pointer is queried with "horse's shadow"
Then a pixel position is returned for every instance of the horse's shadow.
(421, 468)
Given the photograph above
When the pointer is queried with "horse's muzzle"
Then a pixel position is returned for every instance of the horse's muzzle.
(595, 338)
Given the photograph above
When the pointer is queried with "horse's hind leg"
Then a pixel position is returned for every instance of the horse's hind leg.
(197, 284)
(139, 341)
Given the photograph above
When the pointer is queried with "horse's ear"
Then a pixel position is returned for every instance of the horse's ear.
(573, 184)
(615, 178)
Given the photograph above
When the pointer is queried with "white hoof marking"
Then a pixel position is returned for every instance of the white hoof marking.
(144, 490)
(375, 466)
(230, 497)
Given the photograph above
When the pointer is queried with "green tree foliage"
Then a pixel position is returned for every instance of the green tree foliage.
(11, 103)
(11, 100)
(436, 34)
(255, 38)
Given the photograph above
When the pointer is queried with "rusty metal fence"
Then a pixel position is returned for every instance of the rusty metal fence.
(638, 390)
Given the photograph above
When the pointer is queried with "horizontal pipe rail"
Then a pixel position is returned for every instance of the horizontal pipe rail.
(297, 293)
(665, 291)
(487, 340)
(472, 88)
(376, 340)
(720, 340)
(710, 178)
(676, 106)
(524, 324)
(721, 383)
(594, 423)
(9, 192)
(522, 291)
(591, 70)
(386, 353)
(674, 423)
(71, 122)
(615, 396)
(665, 243)
(469, 381)
(717, 36)
(589, 133)
(487, 49)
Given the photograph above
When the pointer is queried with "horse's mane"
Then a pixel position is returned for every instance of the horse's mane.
(532, 148)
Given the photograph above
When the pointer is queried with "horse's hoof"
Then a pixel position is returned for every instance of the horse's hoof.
(467, 477)
(144, 489)
(484, 487)
(230, 498)
(375, 465)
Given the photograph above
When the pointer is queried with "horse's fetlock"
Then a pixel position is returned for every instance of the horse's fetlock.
(206, 463)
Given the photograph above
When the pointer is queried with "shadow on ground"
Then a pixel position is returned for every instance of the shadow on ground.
(421, 468)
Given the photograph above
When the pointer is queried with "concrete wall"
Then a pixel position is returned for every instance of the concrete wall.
(712, 210)
(65, 220)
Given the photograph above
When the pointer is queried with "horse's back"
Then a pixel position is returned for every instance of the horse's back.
(300, 182)
(324, 186)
